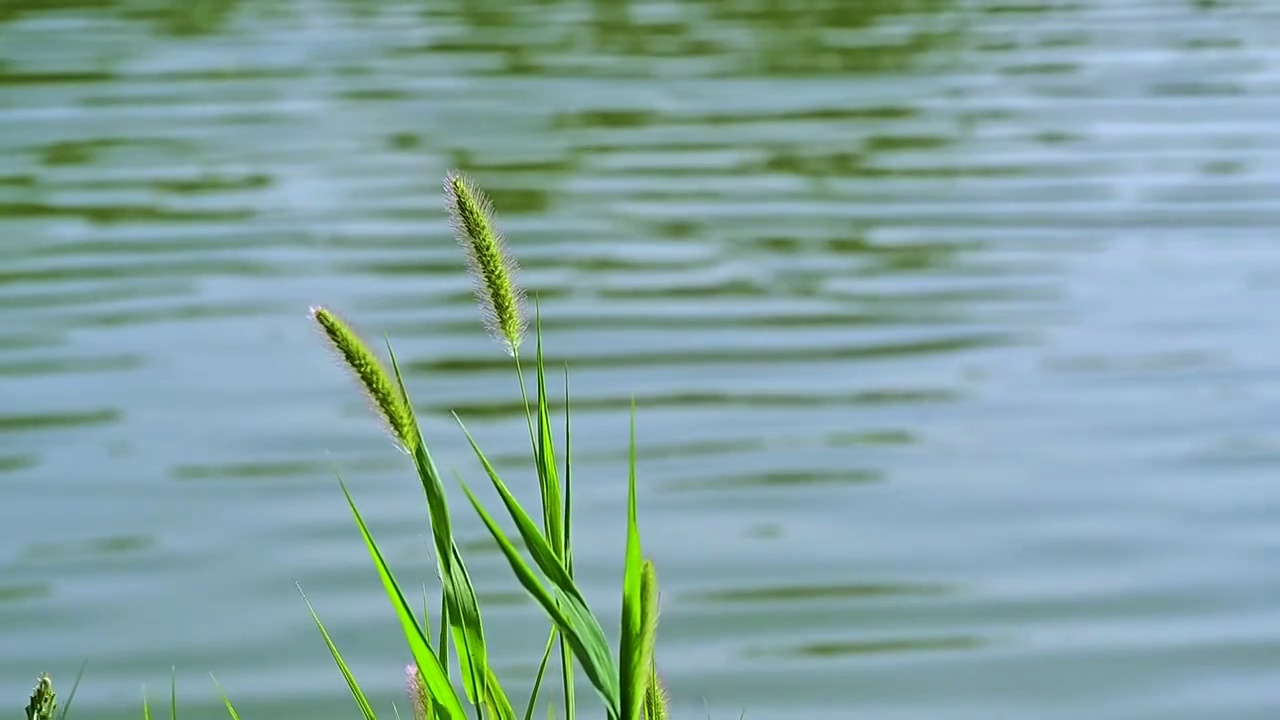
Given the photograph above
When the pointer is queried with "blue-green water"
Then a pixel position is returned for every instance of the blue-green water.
(950, 324)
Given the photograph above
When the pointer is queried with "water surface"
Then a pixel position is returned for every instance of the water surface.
(948, 323)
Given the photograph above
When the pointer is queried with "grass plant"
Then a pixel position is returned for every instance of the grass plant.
(626, 681)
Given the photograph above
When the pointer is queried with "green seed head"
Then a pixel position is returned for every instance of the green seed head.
(491, 265)
(419, 698)
(43, 701)
(386, 395)
(655, 695)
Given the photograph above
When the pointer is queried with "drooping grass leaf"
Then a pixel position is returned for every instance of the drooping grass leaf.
(433, 674)
(572, 618)
(366, 710)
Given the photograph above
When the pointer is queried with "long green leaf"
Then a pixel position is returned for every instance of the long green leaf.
(631, 661)
(459, 593)
(545, 454)
(555, 521)
(362, 701)
(496, 700)
(543, 554)
(574, 621)
(433, 674)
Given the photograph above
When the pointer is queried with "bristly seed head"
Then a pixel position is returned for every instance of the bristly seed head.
(491, 265)
(386, 395)
(418, 696)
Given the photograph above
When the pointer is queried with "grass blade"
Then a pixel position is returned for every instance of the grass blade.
(146, 706)
(573, 620)
(226, 701)
(555, 521)
(543, 554)
(631, 661)
(362, 702)
(545, 454)
(537, 680)
(66, 707)
(459, 593)
(496, 699)
(435, 677)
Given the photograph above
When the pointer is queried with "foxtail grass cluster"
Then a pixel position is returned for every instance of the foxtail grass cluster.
(626, 682)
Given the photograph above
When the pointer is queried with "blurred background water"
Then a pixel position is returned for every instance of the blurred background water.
(949, 324)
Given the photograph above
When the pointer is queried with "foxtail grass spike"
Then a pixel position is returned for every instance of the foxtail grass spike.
(419, 699)
(387, 398)
(43, 700)
(655, 696)
(491, 265)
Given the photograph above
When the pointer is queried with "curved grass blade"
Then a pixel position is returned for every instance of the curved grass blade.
(362, 702)
(433, 674)
(573, 620)
(541, 550)
(463, 616)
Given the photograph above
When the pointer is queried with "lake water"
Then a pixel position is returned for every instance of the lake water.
(948, 323)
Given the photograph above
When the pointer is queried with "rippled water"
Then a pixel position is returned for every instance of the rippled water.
(947, 320)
